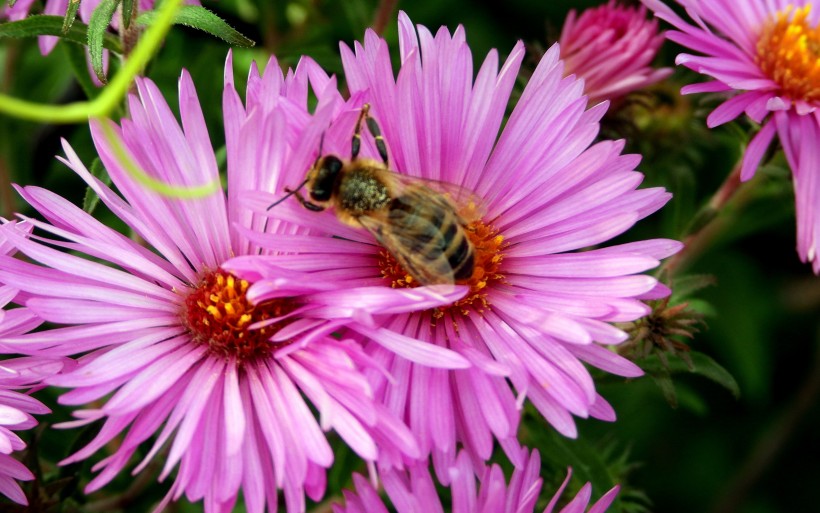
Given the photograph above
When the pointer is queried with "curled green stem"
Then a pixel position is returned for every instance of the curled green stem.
(128, 163)
(113, 93)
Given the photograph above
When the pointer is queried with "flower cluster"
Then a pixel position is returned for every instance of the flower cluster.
(223, 330)
(176, 339)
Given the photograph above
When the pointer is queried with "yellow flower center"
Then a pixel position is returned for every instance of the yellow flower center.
(217, 313)
(788, 52)
(488, 246)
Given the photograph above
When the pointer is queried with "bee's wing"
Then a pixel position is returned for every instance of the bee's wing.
(409, 231)
(468, 205)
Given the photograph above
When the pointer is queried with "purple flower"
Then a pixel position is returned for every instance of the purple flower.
(413, 491)
(611, 47)
(172, 343)
(18, 373)
(16, 409)
(536, 309)
(763, 54)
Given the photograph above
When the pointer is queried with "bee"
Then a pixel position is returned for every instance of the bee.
(421, 227)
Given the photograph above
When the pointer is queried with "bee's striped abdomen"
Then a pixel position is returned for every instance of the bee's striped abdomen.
(432, 237)
(460, 253)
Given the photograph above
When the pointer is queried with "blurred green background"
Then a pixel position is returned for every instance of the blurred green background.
(758, 453)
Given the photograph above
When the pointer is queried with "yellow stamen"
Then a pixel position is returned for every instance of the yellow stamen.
(788, 52)
(217, 313)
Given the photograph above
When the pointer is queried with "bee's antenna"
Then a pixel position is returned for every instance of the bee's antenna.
(321, 144)
(307, 178)
(289, 194)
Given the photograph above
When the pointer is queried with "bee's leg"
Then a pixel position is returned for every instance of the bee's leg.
(377, 136)
(305, 203)
(375, 131)
(356, 143)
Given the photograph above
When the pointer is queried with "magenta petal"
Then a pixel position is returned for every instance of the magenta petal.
(757, 148)
(604, 502)
(729, 109)
(414, 350)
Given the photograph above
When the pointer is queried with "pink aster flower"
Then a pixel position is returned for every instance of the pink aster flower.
(16, 409)
(413, 491)
(171, 344)
(536, 309)
(763, 55)
(611, 47)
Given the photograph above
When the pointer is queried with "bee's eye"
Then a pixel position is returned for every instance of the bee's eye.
(325, 180)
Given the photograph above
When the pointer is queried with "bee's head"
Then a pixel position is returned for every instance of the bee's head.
(321, 180)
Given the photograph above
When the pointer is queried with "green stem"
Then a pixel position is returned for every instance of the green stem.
(383, 15)
(113, 93)
(140, 176)
(706, 225)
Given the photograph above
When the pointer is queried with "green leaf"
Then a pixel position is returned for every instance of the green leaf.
(667, 386)
(128, 12)
(42, 25)
(70, 15)
(201, 18)
(91, 199)
(97, 28)
(685, 286)
(702, 365)
(709, 368)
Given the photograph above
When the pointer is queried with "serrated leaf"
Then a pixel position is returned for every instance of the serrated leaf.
(202, 19)
(70, 14)
(45, 25)
(97, 28)
(128, 12)
(91, 199)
